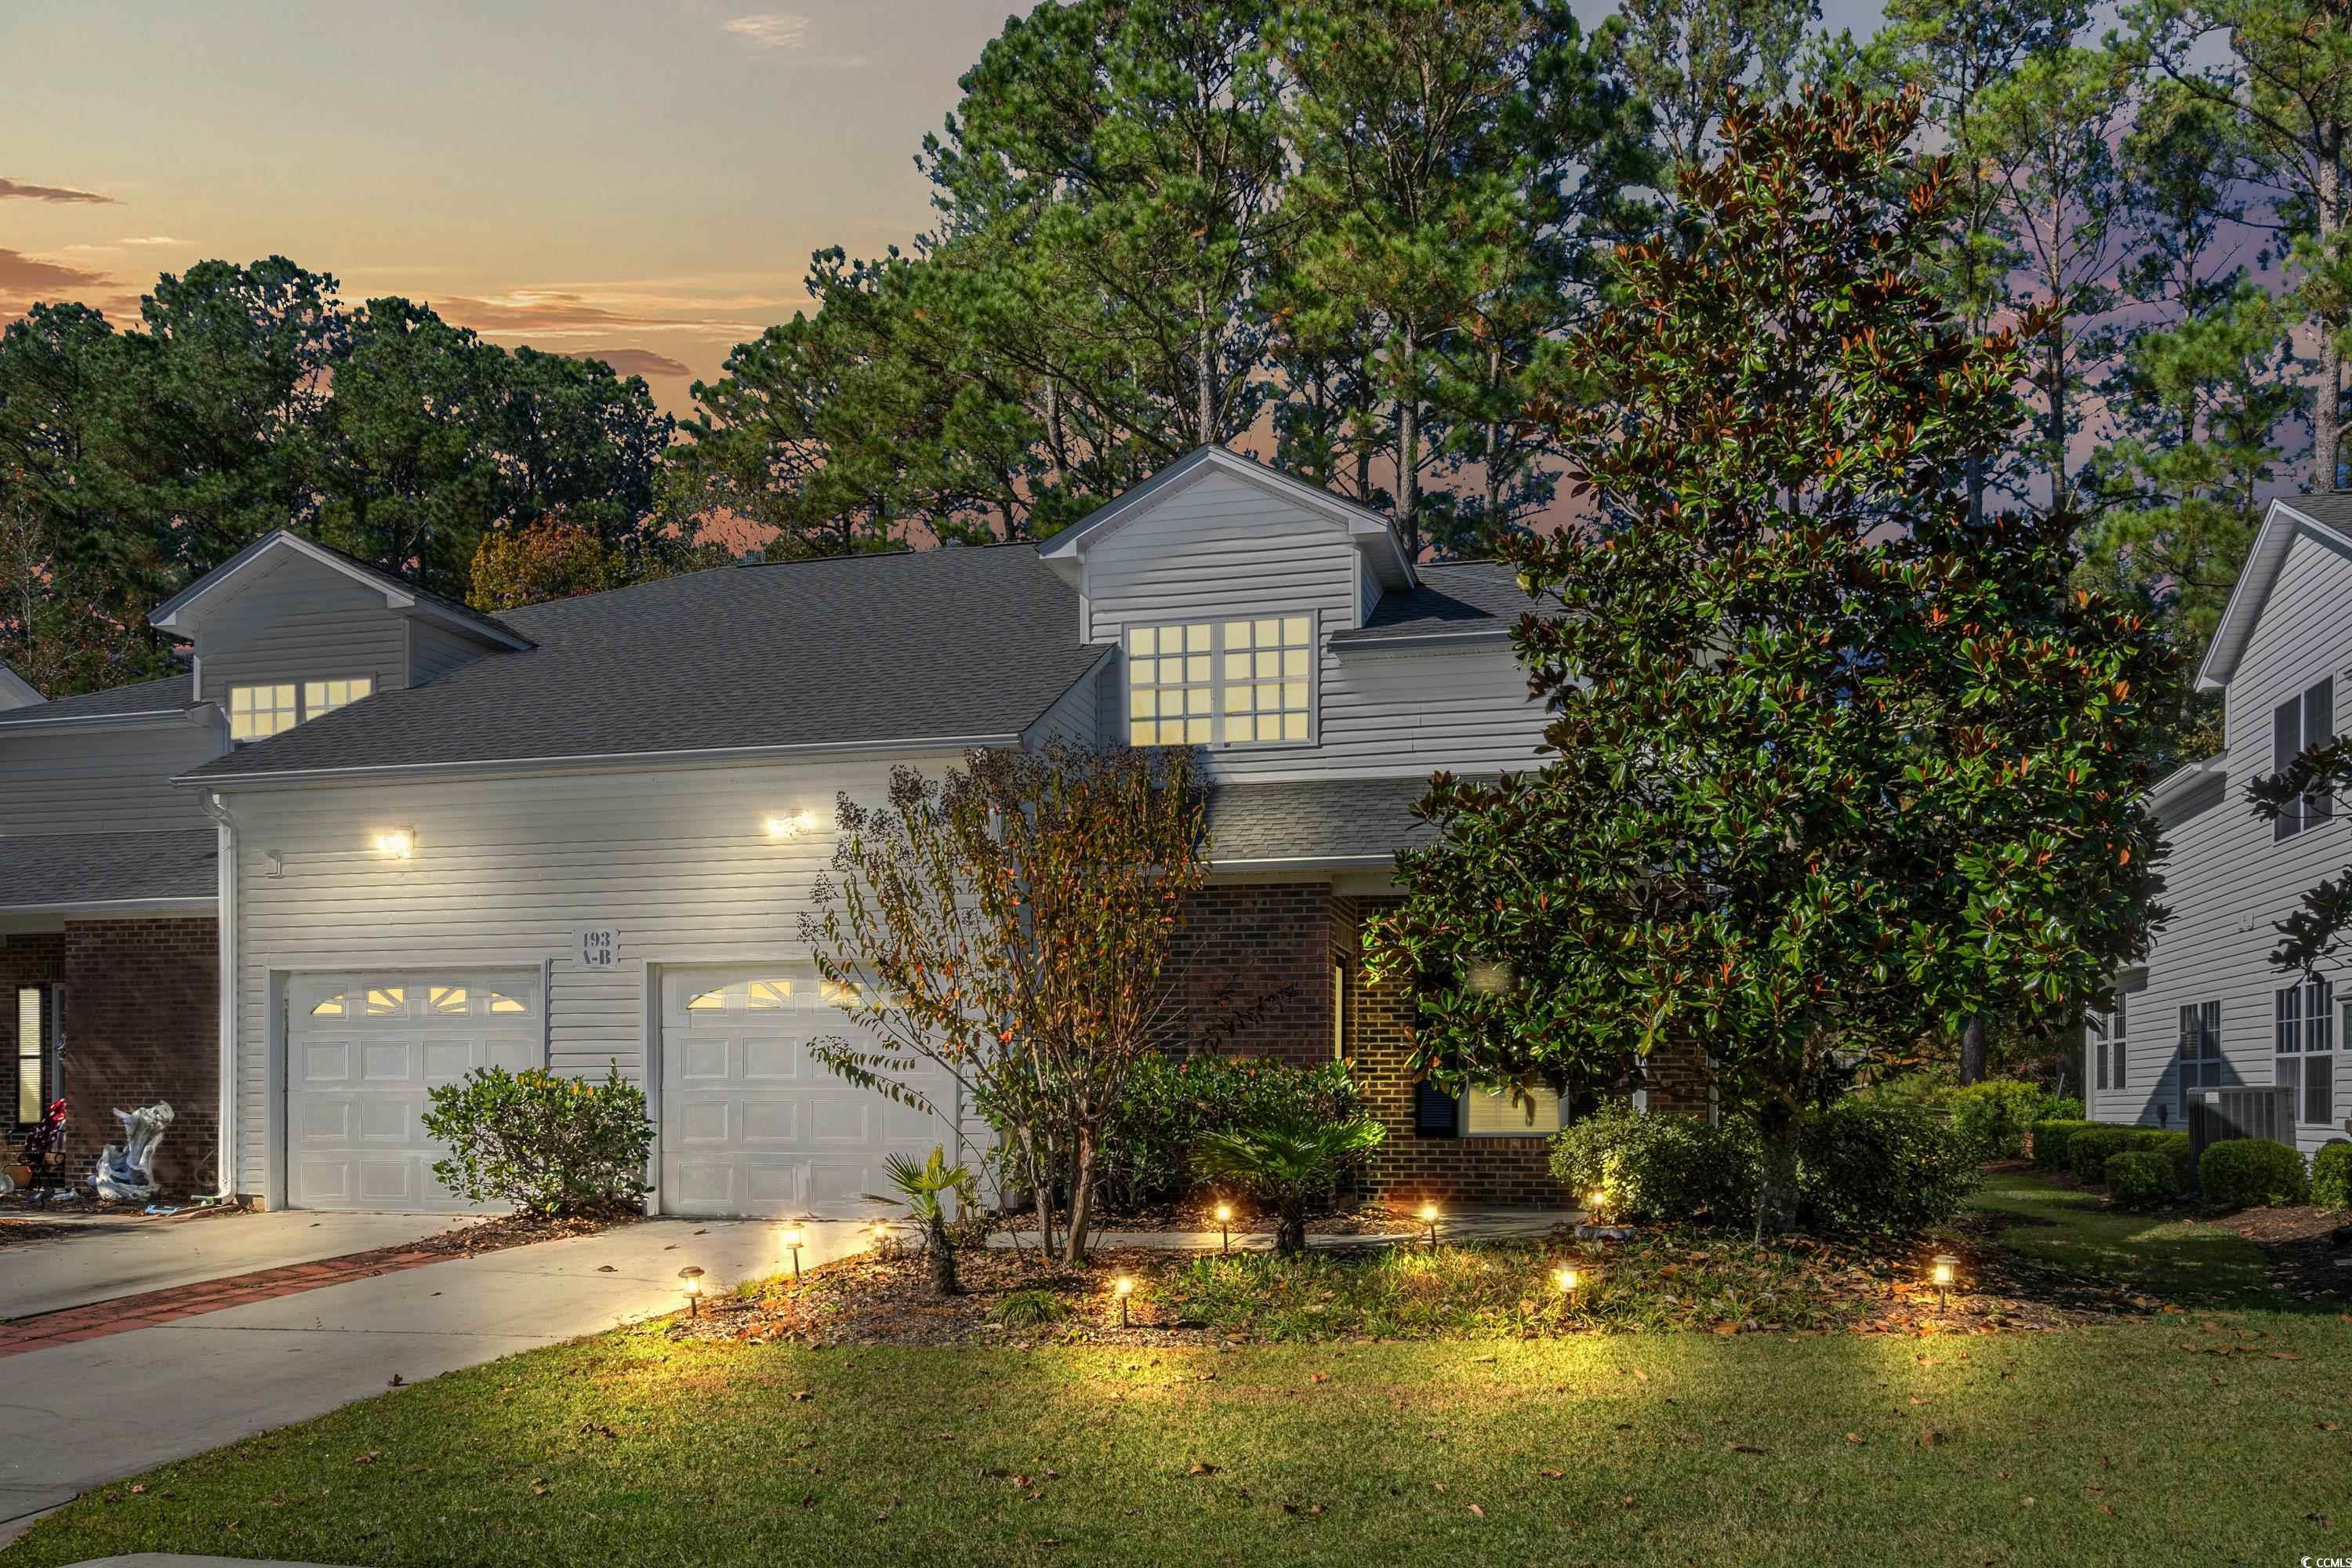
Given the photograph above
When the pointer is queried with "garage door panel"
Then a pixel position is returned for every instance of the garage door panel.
(364, 1052)
(799, 1140)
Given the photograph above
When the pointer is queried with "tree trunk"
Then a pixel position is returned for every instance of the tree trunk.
(1082, 1196)
(1207, 401)
(1408, 491)
(1972, 1051)
(1290, 1226)
(2327, 418)
(943, 1268)
(1776, 1188)
(2054, 351)
(1041, 1188)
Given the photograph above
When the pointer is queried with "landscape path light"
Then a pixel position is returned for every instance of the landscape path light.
(793, 1242)
(1566, 1277)
(1225, 1227)
(1124, 1288)
(693, 1277)
(1429, 1218)
(1942, 1270)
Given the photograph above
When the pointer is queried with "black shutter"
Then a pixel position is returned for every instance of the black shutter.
(1435, 1113)
(2286, 741)
(2318, 728)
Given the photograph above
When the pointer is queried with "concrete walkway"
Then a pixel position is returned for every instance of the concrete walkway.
(101, 1257)
(1467, 1225)
(110, 1407)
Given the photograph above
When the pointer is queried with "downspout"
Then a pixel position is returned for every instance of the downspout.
(214, 808)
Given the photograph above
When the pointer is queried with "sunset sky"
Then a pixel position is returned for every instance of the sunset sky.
(642, 179)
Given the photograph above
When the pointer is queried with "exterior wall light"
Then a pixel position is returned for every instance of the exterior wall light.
(1124, 1289)
(791, 827)
(396, 843)
(693, 1279)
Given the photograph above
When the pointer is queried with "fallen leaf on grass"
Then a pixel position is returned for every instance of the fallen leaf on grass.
(538, 1488)
(1743, 1448)
(367, 1459)
(1476, 1510)
(137, 1490)
(1320, 1377)
(2106, 1509)
(1854, 1437)
(800, 1393)
(2326, 1425)
(1200, 1468)
(1552, 1475)
(1930, 1437)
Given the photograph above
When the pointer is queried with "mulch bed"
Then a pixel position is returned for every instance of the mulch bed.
(870, 1298)
(2309, 1250)
(500, 1232)
(1367, 1219)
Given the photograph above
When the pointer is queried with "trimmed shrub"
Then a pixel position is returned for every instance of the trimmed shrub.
(539, 1141)
(2140, 1179)
(1655, 1167)
(2331, 1176)
(2087, 1151)
(2174, 1147)
(1171, 1106)
(2061, 1108)
(2252, 1172)
(1992, 1116)
(2050, 1145)
(1872, 1167)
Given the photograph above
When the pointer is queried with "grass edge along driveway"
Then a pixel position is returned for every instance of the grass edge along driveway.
(2232, 1431)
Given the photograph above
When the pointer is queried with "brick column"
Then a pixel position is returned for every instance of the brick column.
(143, 1025)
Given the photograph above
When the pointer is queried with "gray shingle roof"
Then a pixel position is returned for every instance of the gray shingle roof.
(1314, 819)
(167, 695)
(1460, 596)
(945, 644)
(2333, 508)
(42, 870)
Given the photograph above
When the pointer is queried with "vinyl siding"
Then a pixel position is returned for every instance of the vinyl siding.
(2227, 881)
(299, 620)
(504, 872)
(435, 650)
(1078, 716)
(1225, 548)
(96, 780)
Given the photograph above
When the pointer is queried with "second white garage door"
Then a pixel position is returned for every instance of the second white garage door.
(752, 1124)
(362, 1051)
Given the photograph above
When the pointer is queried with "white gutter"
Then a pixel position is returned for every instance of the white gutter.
(714, 756)
(218, 810)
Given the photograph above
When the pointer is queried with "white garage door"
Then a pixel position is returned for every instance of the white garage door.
(361, 1051)
(752, 1123)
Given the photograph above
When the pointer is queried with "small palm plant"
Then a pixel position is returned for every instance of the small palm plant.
(1286, 1164)
(924, 1189)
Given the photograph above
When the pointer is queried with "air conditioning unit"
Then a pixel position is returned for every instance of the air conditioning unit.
(2216, 1115)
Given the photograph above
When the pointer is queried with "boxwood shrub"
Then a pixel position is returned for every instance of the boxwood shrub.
(2331, 1176)
(1873, 1167)
(541, 1141)
(2048, 1145)
(2141, 1179)
(2087, 1151)
(1655, 1168)
(2252, 1172)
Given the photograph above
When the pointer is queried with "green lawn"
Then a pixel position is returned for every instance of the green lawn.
(2175, 1258)
(2217, 1436)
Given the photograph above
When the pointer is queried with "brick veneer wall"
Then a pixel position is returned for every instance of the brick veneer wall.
(30, 959)
(1242, 944)
(143, 1025)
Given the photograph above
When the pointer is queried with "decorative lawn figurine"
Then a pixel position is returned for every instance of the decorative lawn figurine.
(42, 1142)
(127, 1169)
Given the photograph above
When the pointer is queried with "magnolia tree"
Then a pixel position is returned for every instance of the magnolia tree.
(2306, 793)
(1829, 765)
(1014, 923)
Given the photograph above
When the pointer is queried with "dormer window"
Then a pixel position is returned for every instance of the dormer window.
(257, 711)
(1235, 683)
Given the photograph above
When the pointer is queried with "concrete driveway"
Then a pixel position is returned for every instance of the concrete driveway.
(101, 1257)
(112, 1406)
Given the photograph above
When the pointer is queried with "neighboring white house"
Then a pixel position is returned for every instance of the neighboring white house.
(581, 834)
(2208, 1009)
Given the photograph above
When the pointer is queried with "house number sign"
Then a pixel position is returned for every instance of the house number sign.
(599, 948)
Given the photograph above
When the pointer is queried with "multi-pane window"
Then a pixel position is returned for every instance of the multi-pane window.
(257, 712)
(1238, 682)
(2297, 725)
(2304, 1041)
(2200, 1050)
(322, 696)
(30, 1037)
(2111, 1048)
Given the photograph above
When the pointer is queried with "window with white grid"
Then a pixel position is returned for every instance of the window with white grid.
(257, 712)
(1239, 682)
(2303, 1040)
(322, 696)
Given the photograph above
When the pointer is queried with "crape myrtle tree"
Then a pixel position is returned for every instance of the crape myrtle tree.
(1013, 923)
(1829, 766)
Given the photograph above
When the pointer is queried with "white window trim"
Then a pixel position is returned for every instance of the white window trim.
(302, 688)
(2314, 1003)
(307, 681)
(1217, 680)
(2305, 816)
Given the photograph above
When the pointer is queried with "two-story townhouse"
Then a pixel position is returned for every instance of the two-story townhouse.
(2208, 1009)
(581, 836)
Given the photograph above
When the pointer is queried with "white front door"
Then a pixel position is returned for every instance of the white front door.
(361, 1052)
(752, 1124)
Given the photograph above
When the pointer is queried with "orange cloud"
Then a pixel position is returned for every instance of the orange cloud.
(20, 190)
(635, 362)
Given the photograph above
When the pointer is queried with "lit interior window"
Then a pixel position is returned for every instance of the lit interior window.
(708, 1002)
(447, 998)
(502, 1003)
(333, 1007)
(388, 1002)
(838, 994)
(257, 712)
(325, 696)
(28, 1054)
(767, 994)
(1241, 683)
